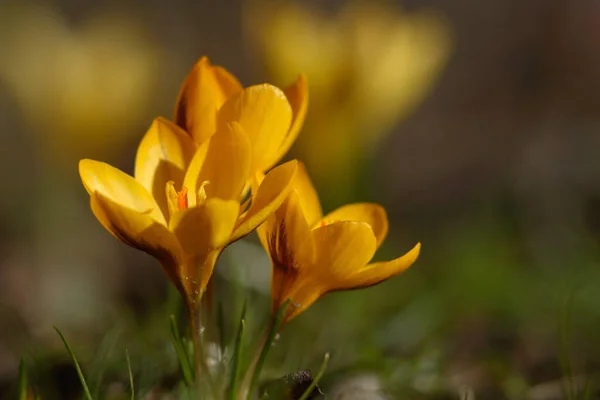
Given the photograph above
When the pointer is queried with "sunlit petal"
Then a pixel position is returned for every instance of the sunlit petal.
(139, 230)
(202, 232)
(378, 272)
(203, 92)
(226, 164)
(266, 115)
(309, 199)
(297, 95)
(372, 214)
(163, 155)
(342, 248)
(205, 227)
(99, 177)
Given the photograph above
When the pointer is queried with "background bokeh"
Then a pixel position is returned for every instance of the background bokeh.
(476, 124)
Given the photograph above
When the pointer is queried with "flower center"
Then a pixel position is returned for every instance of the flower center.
(180, 200)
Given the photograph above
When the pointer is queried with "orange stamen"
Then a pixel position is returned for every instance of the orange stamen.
(182, 199)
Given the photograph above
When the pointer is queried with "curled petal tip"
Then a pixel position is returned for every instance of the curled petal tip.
(417, 249)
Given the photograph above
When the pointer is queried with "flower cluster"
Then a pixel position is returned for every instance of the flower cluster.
(208, 178)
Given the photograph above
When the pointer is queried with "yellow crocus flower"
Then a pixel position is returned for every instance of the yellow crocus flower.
(212, 97)
(182, 205)
(313, 254)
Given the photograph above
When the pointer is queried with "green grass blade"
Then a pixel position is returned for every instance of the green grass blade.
(266, 348)
(22, 380)
(130, 374)
(182, 354)
(315, 381)
(237, 356)
(86, 389)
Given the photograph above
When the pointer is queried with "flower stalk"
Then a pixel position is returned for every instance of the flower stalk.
(201, 369)
(262, 350)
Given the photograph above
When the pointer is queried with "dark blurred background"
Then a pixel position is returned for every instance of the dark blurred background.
(476, 124)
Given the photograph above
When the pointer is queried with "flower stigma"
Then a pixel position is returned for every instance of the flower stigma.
(182, 199)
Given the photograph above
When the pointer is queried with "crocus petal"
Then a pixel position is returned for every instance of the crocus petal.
(302, 295)
(297, 95)
(226, 165)
(287, 238)
(192, 175)
(206, 226)
(266, 115)
(375, 273)
(204, 229)
(271, 193)
(372, 214)
(204, 91)
(342, 249)
(139, 230)
(104, 179)
(163, 155)
(309, 199)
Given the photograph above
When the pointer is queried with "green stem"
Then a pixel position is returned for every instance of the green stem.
(182, 353)
(200, 366)
(256, 366)
(245, 388)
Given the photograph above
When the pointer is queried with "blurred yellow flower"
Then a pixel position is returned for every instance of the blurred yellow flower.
(183, 204)
(82, 90)
(368, 67)
(211, 97)
(314, 254)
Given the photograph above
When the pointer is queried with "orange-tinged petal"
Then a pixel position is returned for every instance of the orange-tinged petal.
(226, 165)
(266, 115)
(204, 229)
(287, 239)
(139, 230)
(102, 178)
(204, 91)
(163, 155)
(373, 214)
(297, 95)
(342, 249)
(375, 273)
(271, 193)
(309, 199)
